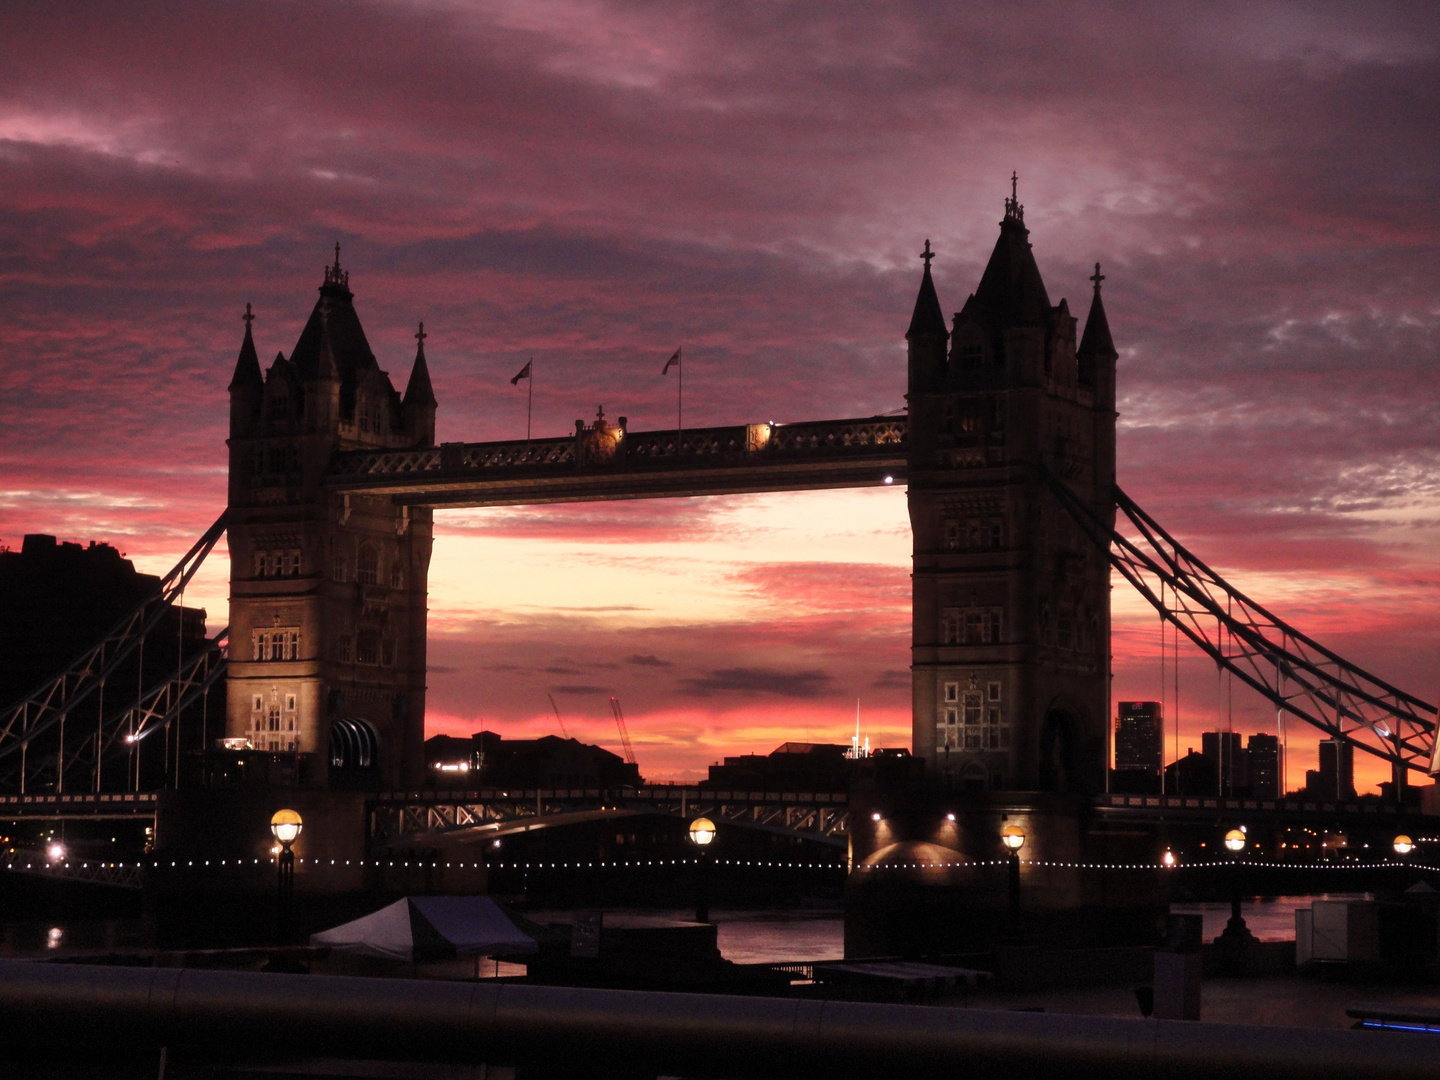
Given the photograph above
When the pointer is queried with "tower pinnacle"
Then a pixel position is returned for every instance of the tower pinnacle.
(1097, 277)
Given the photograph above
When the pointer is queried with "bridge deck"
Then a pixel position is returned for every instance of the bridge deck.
(616, 464)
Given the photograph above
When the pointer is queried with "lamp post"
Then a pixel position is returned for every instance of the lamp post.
(1013, 837)
(1235, 929)
(285, 826)
(702, 835)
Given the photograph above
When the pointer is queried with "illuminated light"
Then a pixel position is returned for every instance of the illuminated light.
(1235, 840)
(949, 817)
(54, 937)
(1168, 859)
(875, 816)
(55, 852)
(1403, 845)
(889, 479)
(1013, 837)
(286, 826)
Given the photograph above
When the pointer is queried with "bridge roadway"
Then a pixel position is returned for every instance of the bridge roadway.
(417, 818)
(613, 463)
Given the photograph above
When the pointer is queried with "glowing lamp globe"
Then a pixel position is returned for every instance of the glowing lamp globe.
(702, 831)
(1403, 845)
(1235, 840)
(285, 826)
(1168, 859)
(1013, 837)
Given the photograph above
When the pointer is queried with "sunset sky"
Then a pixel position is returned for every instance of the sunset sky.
(593, 184)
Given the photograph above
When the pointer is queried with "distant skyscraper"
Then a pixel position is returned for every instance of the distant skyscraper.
(1262, 756)
(1335, 779)
(1139, 746)
(1223, 748)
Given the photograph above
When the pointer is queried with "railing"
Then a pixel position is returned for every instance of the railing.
(640, 450)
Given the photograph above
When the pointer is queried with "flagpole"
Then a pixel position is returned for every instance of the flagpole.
(529, 398)
(680, 408)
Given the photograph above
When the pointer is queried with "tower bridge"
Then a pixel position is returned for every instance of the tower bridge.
(1007, 452)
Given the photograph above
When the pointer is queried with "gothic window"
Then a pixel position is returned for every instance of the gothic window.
(950, 534)
(397, 575)
(259, 564)
(952, 692)
(342, 648)
(367, 647)
(276, 644)
(971, 626)
(340, 569)
(971, 714)
(387, 651)
(367, 570)
(290, 703)
(273, 720)
(970, 355)
(1065, 629)
(292, 563)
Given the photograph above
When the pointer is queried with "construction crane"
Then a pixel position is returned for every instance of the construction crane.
(557, 715)
(624, 734)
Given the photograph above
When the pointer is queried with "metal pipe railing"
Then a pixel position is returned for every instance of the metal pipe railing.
(218, 1015)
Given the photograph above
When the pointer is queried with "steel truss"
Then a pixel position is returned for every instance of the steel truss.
(37, 721)
(1293, 671)
(411, 819)
(83, 871)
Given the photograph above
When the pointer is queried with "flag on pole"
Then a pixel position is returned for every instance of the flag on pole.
(673, 361)
(524, 373)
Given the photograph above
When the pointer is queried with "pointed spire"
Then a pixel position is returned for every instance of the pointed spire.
(247, 364)
(927, 318)
(418, 390)
(1011, 292)
(326, 366)
(1096, 343)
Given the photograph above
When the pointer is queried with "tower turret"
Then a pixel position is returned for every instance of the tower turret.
(246, 384)
(927, 335)
(1096, 355)
(419, 403)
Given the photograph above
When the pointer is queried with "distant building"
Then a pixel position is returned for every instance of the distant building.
(1224, 749)
(57, 598)
(799, 766)
(1263, 759)
(550, 762)
(1193, 774)
(1139, 747)
(1335, 779)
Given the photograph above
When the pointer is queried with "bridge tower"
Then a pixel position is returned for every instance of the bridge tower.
(1011, 609)
(327, 590)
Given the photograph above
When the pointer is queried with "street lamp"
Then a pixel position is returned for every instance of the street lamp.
(1013, 837)
(285, 826)
(702, 835)
(1403, 845)
(1235, 929)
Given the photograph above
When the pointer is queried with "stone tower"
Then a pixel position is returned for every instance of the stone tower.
(327, 590)
(1011, 614)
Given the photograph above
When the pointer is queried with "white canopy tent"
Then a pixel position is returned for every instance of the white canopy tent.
(418, 929)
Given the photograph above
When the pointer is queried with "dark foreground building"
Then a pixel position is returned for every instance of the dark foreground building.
(490, 760)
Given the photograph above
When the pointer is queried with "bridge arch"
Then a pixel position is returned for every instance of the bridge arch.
(354, 754)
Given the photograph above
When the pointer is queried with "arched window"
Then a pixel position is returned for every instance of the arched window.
(368, 570)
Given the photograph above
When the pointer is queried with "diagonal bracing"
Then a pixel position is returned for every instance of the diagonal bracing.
(1293, 671)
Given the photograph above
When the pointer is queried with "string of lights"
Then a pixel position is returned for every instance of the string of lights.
(620, 864)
